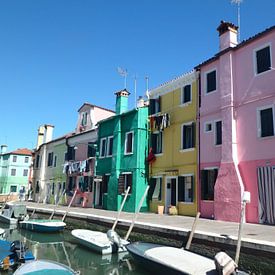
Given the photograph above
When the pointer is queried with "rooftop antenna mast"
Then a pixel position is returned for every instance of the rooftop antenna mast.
(135, 89)
(123, 72)
(147, 86)
(238, 3)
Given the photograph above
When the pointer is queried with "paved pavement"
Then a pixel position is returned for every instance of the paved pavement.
(255, 236)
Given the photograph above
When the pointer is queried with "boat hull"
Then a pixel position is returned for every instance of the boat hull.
(43, 225)
(7, 220)
(97, 241)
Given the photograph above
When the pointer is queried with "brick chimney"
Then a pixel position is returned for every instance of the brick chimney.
(122, 101)
(228, 33)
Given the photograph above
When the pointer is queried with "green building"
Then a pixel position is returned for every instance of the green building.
(14, 170)
(123, 150)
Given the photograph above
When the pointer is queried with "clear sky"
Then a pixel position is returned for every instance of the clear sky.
(57, 54)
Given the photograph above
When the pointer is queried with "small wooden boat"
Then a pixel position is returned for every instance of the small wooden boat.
(12, 213)
(44, 267)
(40, 225)
(13, 253)
(98, 241)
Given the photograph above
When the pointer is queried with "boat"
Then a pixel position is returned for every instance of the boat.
(2, 232)
(110, 242)
(42, 225)
(13, 253)
(171, 260)
(13, 212)
(44, 267)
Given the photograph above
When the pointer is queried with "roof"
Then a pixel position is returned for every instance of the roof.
(242, 44)
(92, 105)
(21, 151)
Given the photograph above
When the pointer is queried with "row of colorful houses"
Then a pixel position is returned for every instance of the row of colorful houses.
(199, 141)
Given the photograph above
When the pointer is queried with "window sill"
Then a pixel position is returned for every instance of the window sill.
(266, 138)
(185, 104)
(159, 155)
(187, 150)
(207, 201)
(185, 202)
(109, 156)
(218, 145)
(128, 154)
(209, 93)
(263, 73)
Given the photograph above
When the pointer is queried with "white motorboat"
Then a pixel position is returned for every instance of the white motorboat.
(13, 212)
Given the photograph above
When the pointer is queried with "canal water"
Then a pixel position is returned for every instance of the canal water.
(61, 247)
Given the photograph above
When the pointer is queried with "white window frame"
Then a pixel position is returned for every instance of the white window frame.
(205, 81)
(155, 195)
(255, 58)
(208, 123)
(101, 147)
(188, 175)
(125, 143)
(215, 132)
(13, 169)
(259, 125)
(125, 182)
(181, 141)
(183, 104)
(26, 158)
(27, 172)
(108, 146)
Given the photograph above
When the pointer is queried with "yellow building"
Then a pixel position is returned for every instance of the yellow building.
(173, 146)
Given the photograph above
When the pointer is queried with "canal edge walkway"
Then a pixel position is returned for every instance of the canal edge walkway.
(256, 238)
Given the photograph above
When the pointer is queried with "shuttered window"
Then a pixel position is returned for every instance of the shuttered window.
(267, 122)
(186, 94)
(218, 132)
(186, 188)
(125, 180)
(263, 60)
(208, 179)
(211, 82)
(188, 136)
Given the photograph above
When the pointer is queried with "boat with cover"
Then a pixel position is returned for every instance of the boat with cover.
(13, 212)
(110, 242)
(44, 267)
(13, 253)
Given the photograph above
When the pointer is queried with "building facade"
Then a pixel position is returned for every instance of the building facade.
(237, 127)
(14, 170)
(123, 148)
(173, 145)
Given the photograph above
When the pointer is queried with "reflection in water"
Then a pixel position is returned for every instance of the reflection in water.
(61, 247)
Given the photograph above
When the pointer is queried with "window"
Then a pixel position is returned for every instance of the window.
(37, 188)
(13, 172)
(263, 60)
(157, 183)
(37, 161)
(110, 146)
(14, 158)
(186, 95)
(71, 153)
(208, 127)
(125, 180)
(208, 179)
(55, 161)
(84, 119)
(50, 159)
(211, 82)
(103, 142)
(25, 172)
(154, 106)
(105, 181)
(156, 140)
(129, 143)
(13, 189)
(186, 188)
(188, 136)
(218, 132)
(91, 150)
(26, 159)
(266, 122)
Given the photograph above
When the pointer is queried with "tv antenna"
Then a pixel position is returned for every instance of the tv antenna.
(147, 85)
(238, 3)
(123, 72)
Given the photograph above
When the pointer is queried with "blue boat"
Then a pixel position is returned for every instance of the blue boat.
(46, 226)
(13, 253)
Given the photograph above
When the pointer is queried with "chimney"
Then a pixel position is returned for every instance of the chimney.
(40, 136)
(122, 101)
(140, 102)
(48, 134)
(228, 33)
(3, 149)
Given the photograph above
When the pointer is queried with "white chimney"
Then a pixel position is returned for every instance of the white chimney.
(48, 134)
(4, 149)
(140, 102)
(228, 33)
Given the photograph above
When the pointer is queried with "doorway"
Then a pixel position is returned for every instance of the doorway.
(171, 192)
(98, 193)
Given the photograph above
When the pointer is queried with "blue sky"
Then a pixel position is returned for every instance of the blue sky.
(57, 54)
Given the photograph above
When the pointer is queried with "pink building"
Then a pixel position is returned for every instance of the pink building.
(237, 141)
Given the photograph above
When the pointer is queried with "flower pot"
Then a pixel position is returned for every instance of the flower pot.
(160, 209)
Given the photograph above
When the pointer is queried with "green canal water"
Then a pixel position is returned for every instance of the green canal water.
(62, 248)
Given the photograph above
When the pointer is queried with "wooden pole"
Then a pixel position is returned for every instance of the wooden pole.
(121, 207)
(192, 231)
(69, 206)
(136, 213)
(57, 204)
(240, 233)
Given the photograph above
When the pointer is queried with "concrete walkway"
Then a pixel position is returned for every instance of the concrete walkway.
(260, 238)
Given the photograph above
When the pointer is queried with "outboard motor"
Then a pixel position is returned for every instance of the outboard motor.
(19, 249)
(114, 239)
